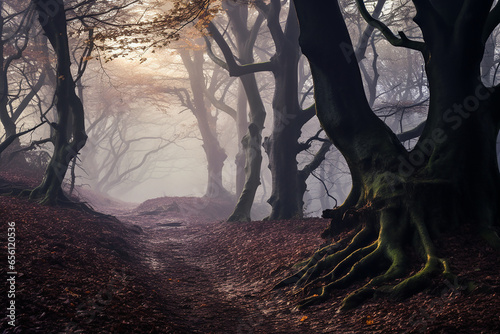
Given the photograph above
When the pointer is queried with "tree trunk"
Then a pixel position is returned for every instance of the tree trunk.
(238, 15)
(325, 200)
(214, 152)
(282, 146)
(252, 140)
(242, 126)
(449, 179)
(69, 138)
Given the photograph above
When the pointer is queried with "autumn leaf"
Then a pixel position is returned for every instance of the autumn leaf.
(71, 293)
(369, 320)
(304, 318)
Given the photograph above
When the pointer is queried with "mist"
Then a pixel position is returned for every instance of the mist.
(264, 166)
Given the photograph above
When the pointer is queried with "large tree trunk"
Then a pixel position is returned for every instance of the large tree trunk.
(238, 15)
(449, 179)
(251, 142)
(69, 132)
(282, 146)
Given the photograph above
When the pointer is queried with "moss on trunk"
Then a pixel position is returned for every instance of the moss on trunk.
(402, 201)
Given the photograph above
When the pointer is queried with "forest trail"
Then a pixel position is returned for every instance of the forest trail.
(173, 252)
(221, 275)
(182, 257)
(187, 272)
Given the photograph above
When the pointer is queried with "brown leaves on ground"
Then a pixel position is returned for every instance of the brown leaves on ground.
(76, 273)
(186, 273)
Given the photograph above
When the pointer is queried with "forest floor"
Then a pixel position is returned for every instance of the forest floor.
(172, 265)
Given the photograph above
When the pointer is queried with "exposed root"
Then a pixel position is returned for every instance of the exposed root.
(421, 279)
(326, 257)
(355, 257)
(314, 263)
(359, 270)
(382, 259)
(63, 201)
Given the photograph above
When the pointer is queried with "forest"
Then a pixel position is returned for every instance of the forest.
(250, 166)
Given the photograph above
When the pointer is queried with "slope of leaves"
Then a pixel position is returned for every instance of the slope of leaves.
(261, 253)
(76, 274)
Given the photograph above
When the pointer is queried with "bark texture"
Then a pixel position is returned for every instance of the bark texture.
(69, 131)
(251, 142)
(401, 198)
(282, 146)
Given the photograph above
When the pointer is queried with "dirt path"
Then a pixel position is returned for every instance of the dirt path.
(210, 300)
(219, 276)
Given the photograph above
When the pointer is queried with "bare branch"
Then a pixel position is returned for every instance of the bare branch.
(402, 40)
(411, 134)
(317, 160)
(10, 139)
(367, 33)
(219, 104)
(234, 69)
(326, 188)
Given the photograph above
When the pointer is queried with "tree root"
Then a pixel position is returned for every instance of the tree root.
(61, 200)
(325, 257)
(382, 259)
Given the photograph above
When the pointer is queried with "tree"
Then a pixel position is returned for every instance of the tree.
(68, 134)
(118, 155)
(251, 142)
(282, 146)
(193, 61)
(69, 131)
(21, 76)
(448, 180)
(245, 33)
(155, 29)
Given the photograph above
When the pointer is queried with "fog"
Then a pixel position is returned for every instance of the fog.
(131, 96)
(145, 119)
